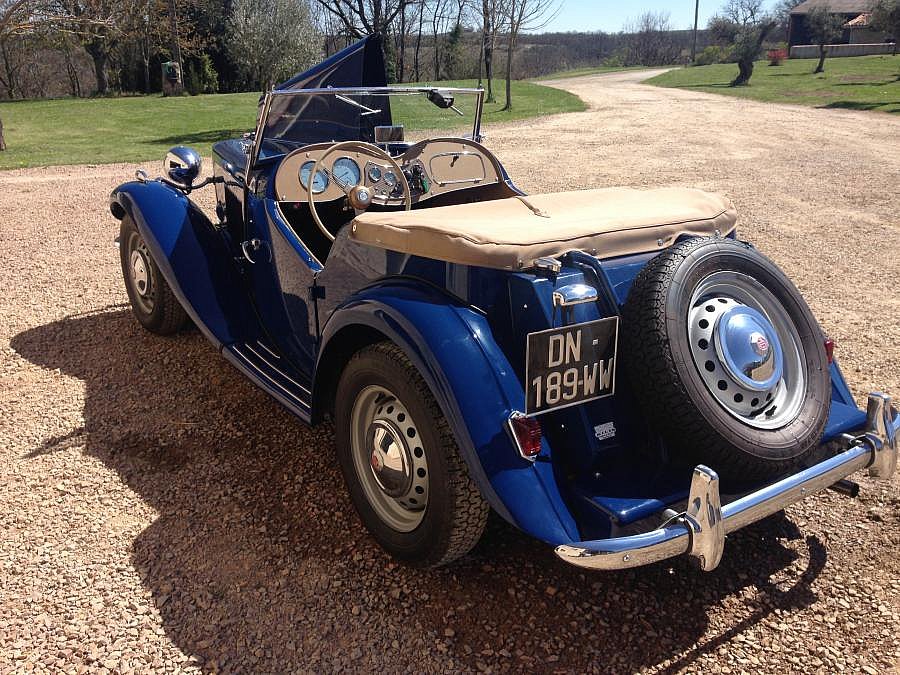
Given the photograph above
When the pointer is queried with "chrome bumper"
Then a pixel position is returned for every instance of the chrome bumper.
(700, 531)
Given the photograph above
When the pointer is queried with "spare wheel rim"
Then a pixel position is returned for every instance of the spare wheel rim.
(747, 350)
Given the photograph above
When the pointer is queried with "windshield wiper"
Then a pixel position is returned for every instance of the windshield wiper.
(368, 111)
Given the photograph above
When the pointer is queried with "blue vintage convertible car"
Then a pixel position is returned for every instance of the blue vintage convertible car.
(612, 371)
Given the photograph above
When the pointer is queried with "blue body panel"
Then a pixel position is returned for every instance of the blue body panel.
(194, 257)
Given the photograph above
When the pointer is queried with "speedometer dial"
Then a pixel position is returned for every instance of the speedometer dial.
(346, 171)
(390, 178)
(320, 182)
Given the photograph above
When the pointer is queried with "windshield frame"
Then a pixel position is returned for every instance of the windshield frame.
(253, 155)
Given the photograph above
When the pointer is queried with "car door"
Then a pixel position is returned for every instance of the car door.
(281, 276)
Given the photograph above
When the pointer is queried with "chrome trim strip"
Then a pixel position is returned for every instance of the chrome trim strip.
(268, 350)
(701, 530)
(236, 349)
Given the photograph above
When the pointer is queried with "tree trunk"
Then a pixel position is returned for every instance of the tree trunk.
(510, 49)
(437, 58)
(11, 75)
(488, 48)
(745, 72)
(2, 140)
(101, 61)
(401, 52)
(418, 77)
(481, 63)
(820, 68)
(178, 87)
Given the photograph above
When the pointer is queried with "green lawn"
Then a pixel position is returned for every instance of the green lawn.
(854, 83)
(138, 128)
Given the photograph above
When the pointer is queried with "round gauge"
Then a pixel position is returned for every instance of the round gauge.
(390, 178)
(374, 173)
(347, 172)
(320, 182)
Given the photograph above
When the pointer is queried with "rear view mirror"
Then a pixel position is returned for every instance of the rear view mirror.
(441, 99)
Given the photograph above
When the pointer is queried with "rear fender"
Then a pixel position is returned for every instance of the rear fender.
(452, 347)
(193, 256)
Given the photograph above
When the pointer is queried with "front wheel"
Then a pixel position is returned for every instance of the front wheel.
(152, 301)
(401, 463)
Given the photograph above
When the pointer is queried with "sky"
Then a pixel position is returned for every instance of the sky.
(609, 15)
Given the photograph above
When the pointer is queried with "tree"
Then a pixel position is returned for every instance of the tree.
(824, 28)
(523, 15)
(98, 24)
(782, 15)
(886, 18)
(750, 25)
(492, 19)
(271, 40)
(650, 40)
(368, 17)
(17, 18)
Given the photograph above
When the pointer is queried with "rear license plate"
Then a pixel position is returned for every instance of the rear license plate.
(570, 365)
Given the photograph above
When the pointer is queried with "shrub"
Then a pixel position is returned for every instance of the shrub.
(713, 54)
(776, 56)
(615, 60)
(200, 77)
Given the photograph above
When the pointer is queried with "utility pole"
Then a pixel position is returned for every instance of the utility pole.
(696, 23)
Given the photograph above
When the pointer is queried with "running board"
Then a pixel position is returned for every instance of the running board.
(263, 366)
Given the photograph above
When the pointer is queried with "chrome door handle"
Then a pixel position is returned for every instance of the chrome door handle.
(255, 246)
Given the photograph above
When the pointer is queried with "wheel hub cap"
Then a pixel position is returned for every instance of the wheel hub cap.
(748, 346)
(390, 459)
(139, 274)
(747, 350)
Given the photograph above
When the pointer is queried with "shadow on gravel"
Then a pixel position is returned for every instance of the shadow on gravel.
(256, 561)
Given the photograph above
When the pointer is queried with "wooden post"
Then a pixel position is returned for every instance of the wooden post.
(2, 141)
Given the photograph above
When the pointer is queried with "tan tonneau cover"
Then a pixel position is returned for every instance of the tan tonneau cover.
(511, 233)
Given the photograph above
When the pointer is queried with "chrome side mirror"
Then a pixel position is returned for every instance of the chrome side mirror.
(182, 166)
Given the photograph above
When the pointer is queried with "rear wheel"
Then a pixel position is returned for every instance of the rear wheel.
(152, 301)
(726, 358)
(401, 463)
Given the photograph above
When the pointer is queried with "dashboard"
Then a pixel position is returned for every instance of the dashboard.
(431, 168)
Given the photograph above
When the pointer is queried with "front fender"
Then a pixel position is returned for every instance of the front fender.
(192, 255)
(452, 347)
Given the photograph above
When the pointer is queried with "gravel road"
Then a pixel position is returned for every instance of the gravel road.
(158, 513)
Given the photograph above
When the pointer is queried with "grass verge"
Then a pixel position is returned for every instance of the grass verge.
(138, 128)
(852, 83)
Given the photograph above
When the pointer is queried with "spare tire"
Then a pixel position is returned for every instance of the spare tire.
(726, 359)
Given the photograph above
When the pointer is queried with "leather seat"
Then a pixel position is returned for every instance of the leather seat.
(511, 233)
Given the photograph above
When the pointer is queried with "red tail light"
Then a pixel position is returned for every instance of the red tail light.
(829, 349)
(527, 432)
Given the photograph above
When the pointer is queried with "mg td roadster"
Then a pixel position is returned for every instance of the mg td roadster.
(612, 371)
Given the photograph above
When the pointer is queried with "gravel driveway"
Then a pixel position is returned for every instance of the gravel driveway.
(158, 512)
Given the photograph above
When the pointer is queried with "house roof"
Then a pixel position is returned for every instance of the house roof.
(836, 6)
(859, 22)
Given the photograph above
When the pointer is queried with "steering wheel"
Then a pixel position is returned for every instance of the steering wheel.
(359, 195)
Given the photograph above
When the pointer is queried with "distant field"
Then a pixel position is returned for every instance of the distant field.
(137, 128)
(853, 83)
(582, 72)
